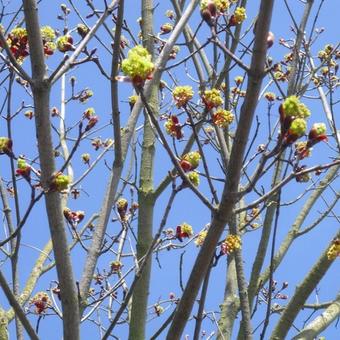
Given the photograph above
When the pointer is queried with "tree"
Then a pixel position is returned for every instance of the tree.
(98, 204)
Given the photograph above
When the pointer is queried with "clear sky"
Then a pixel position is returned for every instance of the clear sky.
(187, 208)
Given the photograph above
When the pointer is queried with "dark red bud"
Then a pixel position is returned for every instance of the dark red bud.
(185, 165)
(212, 9)
(206, 16)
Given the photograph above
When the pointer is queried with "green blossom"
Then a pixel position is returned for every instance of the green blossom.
(194, 178)
(298, 127)
(138, 64)
(47, 33)
(61, 182)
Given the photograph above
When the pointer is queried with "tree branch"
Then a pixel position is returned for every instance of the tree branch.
(229, 197)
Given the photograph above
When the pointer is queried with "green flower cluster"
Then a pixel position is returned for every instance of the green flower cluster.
(47, 33)
(5, 145)
(182, 94)
(298, 127)
(212, 98)
(61, 182)
(21, 163)
(138, 64)
(240, 14)
(194, 178)
(319, 128)
(193, 157)
(293, 107)
(221, 5)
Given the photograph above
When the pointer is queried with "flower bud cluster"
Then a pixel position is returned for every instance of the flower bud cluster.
(190, 161)
(115, 266)
(173, 127)
(184, 230)
(182, 95)
(73, 217)
(194, 178)
(212, 98)
(222, 118)
(23, 169)
(5, 146)
(122, 205)
(238, 17)
(231, 243)
(48, 36)
(60, 182)
(65, 43)
(138, 65)
(41, 301)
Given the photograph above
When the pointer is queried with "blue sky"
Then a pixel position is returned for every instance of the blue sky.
(165, 279)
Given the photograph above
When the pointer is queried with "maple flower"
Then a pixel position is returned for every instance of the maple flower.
(166, 28)
(116, 266)
(184, 230)
(170, 14)
(190, 161)
(41, 301)
(317, 133)
(23, 169)
(47, 33)
(212, 98)
(29, 114)
(122, 205)
(201, 237)
(240, 14)
(18, 43)
(85, 95)
(222, 118)
(60, 182)
(220, 5)
(5, 146)
(231, 243)
(158, 309)
(303, 111)
(18, 33)
(280, 76)
(238, 17)
(48, 36)
(89, 112)
(194, 178)
(238, 80)
(302, 149)
(86, 158)
(133, 100)
(322, 55)
(65, 43)
(182, 94)
(293, 107)
(138, 65)
(174, 51)
(55, 111)
(334, 250)
(73, 217)
(49, 48)
(91, 123)
(82, 30)
(173, 127)
(270, 96)
(298, 127)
